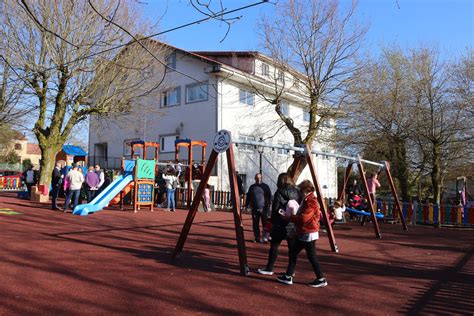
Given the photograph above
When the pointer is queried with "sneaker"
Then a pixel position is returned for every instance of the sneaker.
(285, 279)
(172, 210)
(265, 271)
(264, 239)
(318, 283)
(257, 240)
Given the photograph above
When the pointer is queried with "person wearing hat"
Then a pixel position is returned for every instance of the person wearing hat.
(75, 179)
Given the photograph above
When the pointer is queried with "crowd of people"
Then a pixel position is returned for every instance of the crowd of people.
(76, 183)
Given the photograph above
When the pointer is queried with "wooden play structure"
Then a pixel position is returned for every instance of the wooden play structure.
(385, 165)
(189, 144)
(222, 143)
(144, 175)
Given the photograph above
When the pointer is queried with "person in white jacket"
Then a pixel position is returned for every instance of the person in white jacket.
(171, 185)
(75, 179)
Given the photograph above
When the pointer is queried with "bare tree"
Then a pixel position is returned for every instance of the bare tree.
(320, 41)
(65, 52)
(378, 120)
(441, 112)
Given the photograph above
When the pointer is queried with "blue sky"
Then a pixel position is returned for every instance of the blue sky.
(409, 23)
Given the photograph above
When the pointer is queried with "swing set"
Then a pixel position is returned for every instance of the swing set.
(223, 143)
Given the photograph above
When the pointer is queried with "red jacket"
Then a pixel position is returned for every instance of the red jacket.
(307, 219)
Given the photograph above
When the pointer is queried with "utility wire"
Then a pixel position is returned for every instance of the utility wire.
(214, 16)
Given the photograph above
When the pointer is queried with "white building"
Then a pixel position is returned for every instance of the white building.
(210, 91)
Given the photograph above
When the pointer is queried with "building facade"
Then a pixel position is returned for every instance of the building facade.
(207, 92)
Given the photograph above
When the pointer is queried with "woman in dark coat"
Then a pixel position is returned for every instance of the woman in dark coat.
(286, 191)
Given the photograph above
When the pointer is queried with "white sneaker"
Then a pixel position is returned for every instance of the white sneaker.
(265, 271)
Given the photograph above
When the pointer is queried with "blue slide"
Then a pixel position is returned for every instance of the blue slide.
(357, 212)
(101, 200)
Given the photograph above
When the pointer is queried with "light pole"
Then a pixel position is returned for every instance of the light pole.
(260, 152)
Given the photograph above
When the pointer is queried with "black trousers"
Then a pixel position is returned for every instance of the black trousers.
(258, 217)
(296, 246)
(54, 196)
(273, 254)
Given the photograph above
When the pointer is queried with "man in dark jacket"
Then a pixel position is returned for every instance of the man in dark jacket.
(259, 199)
(55, 183)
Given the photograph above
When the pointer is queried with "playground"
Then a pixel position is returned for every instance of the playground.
(117, 262)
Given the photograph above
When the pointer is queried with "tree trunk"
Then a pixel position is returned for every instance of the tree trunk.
(48, 159)
(303, 163)
(402, 170)
(436, 178)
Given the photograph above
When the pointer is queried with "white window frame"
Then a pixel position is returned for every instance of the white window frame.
(167, 139)
(202, 87)
(285, 108)
(265, 70)
(171, 62)
(246, 97)
(306, 116)
(280, 76)
(166, 94)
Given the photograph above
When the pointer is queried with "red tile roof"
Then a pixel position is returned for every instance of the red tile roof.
(33, 149)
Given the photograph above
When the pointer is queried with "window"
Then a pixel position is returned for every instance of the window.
(265, 70)
(296, 82)
(167, 143)
(281, 151)
(246, 97)
(196, 92)
(285, 108)
(171, 62)
(171, 97)
(306, 116)
(248, 148)
(281, 76)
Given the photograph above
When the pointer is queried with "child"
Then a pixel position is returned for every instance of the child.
(338, 209)
(206, 196)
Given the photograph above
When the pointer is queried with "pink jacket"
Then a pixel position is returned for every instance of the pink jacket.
(373, 184)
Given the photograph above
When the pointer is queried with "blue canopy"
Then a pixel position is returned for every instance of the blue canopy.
(74, 150)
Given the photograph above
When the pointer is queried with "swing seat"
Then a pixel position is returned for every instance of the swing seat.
(358, 212)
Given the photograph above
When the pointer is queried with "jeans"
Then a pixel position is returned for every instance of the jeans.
(91, 195)
(256, 218)
(28, 188)
(170, 195)
(74, 195)
(54, 196)
(295, 248)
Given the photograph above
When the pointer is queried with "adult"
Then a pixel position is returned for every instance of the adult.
(100, 173)
(240, 185)
(56, 177)
(75, 178)
(285, 192)
(30, 179)
(171, 185)
(353, 189)
(307, 232)
(373, 183)
(92, 183)
(258, 200)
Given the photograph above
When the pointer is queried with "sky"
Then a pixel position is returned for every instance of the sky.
(409, 23)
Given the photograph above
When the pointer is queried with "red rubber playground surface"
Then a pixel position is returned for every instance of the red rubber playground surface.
(120, 263)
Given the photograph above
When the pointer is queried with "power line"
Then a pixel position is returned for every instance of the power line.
(214, 16)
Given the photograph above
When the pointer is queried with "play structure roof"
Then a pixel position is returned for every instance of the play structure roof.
(74, 150)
